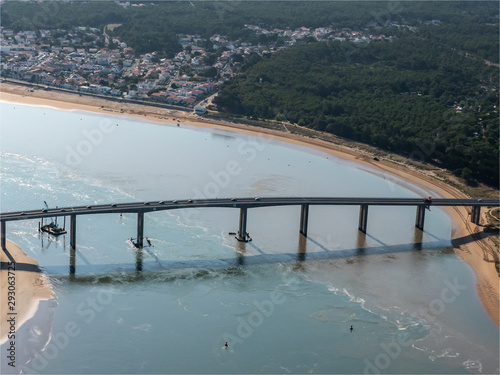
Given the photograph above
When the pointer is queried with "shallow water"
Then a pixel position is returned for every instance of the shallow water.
(284, 303)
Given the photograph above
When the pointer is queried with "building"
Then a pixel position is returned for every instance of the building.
(200, 110)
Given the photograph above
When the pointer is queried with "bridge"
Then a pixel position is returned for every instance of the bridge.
(243, 204)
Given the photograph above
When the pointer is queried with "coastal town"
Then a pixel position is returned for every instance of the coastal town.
(88, 60)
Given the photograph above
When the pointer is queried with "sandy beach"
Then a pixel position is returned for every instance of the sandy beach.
(478, 251)
(27, 289)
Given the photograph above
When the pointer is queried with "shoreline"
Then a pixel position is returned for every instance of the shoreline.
(30, 289)
(480, 255)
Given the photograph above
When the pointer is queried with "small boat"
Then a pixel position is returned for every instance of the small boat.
(53, 229)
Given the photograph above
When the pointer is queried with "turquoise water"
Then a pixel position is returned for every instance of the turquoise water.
(283, 303)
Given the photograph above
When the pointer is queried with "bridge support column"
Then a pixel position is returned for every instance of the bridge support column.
(242, 232)
(140, 230)
(72, 245)
(419, 221)
(138, 260)
(4, 239)
(475, 214)
(417, 239)
(363, 217)
(304, 217)
(302, 249)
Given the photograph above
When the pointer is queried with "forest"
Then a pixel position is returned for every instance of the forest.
(408, 96)
(470, 26)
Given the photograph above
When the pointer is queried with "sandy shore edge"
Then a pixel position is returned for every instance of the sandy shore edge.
(26, 289)
(479, 254)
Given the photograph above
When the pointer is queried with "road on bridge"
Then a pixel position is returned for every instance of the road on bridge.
(237, 203)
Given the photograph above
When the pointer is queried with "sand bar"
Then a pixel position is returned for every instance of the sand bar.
(27, 289)
(481, 254)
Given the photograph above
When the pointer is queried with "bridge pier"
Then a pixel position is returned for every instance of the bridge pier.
(475, 214)
(417, 239)
(241, 253)
(72, 245)
(4, 239)
(302, 249)
(138, 260)
(419, 220)
(304, 217)
(363, 217)
(140, 230)
(242, 232)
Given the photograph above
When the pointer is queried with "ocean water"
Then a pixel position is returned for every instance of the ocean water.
(284, 304)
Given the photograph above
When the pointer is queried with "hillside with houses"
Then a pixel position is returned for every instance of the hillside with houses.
(87, 60)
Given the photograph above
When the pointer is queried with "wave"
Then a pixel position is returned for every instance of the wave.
(30, 159)
(473, 366)
(53, 182)
(446, 353)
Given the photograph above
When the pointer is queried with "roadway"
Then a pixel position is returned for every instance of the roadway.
(237, 203)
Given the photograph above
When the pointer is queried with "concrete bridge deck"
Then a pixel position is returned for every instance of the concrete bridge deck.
(237, 203)
(243, 204)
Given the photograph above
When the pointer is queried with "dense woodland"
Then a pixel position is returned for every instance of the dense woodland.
(471, 26)
(407, 96)
(428, 94)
